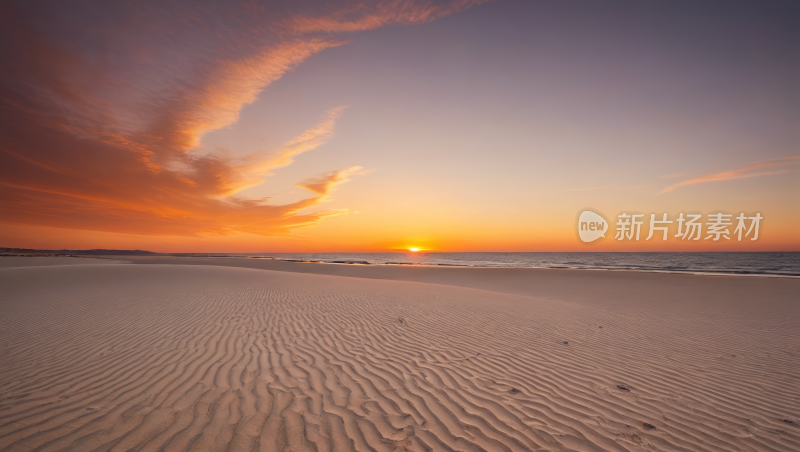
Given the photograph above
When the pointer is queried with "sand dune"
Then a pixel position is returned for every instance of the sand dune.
(173, 357)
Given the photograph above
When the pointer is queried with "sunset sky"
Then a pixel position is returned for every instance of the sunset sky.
(291, 126)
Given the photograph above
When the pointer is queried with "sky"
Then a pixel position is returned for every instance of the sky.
(462, 125)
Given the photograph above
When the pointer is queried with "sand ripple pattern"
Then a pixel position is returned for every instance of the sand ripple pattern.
(159, 357)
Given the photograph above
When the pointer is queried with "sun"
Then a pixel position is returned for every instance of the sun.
(413, 249)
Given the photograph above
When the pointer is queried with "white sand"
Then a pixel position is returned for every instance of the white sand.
(175, 357)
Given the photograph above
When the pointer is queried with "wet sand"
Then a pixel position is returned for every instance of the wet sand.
(170, 356)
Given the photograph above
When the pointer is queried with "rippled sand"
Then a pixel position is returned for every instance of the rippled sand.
(175, 357)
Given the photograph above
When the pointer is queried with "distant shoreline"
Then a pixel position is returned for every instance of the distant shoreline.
(355, 263)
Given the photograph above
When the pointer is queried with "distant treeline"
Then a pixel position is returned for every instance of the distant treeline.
(77, 252)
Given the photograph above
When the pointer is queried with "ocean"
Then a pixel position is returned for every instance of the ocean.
(760, 264)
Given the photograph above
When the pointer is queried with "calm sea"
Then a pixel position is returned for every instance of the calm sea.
(764, 264)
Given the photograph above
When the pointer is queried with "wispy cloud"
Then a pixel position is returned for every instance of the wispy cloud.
(368, 16)
(324, 184)
(762, 168)
(100, 127)
(309, 140)
(254, 168)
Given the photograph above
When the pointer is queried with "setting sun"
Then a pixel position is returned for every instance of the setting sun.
(413, 249)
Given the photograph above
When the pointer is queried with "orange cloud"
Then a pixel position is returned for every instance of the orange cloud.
(251, 170)
(366, 16)
(258, 165)
(752, 170)
(102, 129)
(230, 85)
(324, 184)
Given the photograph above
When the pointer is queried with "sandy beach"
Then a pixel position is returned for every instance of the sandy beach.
(207, 354)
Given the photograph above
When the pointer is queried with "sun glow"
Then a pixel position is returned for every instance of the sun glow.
(414, 250)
